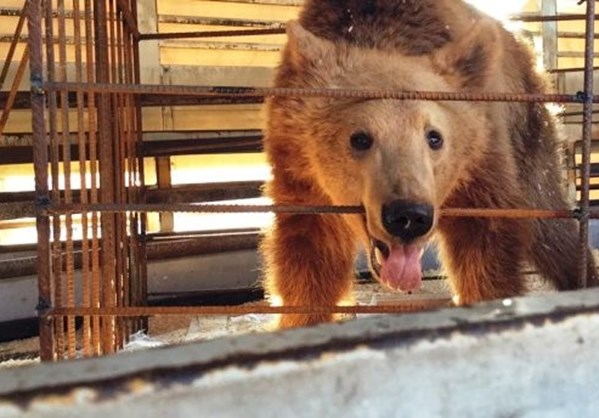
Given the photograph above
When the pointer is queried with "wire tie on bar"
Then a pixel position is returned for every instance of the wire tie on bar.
(37, 85)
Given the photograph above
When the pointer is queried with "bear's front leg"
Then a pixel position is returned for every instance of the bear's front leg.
(483, 258)
(309, 261)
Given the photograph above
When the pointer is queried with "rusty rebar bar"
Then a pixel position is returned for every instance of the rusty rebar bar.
(82, 154)
(40, 155)
(95, 291)
(54, 148)
(134, 269)
(69, 270)
(534, 18)
(516, 213)
(587, 128)
(359, 94)
(397, 307)
(129, 17)
(211, 34)
(106, 155)
(140, 289)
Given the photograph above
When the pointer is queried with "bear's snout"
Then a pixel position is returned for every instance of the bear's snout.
(407, 220)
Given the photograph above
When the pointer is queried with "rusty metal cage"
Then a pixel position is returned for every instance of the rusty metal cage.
(91, 117)
(107, 134)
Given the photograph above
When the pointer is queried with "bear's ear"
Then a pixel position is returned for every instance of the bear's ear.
(470, 61)
(305, 50)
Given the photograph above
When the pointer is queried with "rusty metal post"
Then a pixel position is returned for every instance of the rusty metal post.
(55, 195)
(106, 155)
(40, 152)
(139, 285)
(587, 128)
(95, 292)
(86, 330)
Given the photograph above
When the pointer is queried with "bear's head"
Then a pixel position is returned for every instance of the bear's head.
(401, 160)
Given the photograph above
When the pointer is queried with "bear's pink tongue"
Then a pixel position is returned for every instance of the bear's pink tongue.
(401, 270)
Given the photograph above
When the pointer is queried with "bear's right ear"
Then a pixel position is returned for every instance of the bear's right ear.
(304, 49)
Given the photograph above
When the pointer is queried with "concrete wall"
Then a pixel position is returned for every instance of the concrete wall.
(529, 357)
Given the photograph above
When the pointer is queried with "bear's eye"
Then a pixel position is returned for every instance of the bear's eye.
(434, 139)
(361, 141)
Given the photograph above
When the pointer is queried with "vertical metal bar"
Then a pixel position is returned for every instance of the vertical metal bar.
(141, 288)
(134, 247)
(587, 128)
(128, 120)
(55, 175)
(95, 291)
(129, 158)
(118, 137)
(40, 156)
(123, 174)
(106, 156)
(81, 142)
(68, 195)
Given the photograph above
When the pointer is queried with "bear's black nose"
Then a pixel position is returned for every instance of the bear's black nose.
(407, 220)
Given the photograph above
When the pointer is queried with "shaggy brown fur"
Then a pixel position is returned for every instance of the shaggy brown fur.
(495, 155)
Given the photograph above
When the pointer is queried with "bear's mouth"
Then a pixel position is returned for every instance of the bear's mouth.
(397, 266)
(379, 252)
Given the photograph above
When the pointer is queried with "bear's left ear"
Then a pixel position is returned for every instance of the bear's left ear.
(305, 50)
(470, 61)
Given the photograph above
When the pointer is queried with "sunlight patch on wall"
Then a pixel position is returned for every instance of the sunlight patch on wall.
(500, 10)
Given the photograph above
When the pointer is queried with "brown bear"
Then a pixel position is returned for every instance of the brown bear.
(405, 160)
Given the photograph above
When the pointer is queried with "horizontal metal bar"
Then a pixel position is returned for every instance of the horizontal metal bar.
(574, 54)
(16, 210)
(169, 147)
(22, 100)
(206, 192)
(574, 35)
(177, 246)
(211, 34)
(532, 18)
(156, 148)
(220, 21)
(226, 46)
(212, 192)
(306, 210)
(397, 307)
(571, 114)
(256, 92)
(594, 167)
(22, 204)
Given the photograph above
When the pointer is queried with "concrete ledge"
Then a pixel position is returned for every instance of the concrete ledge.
(529, 357)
